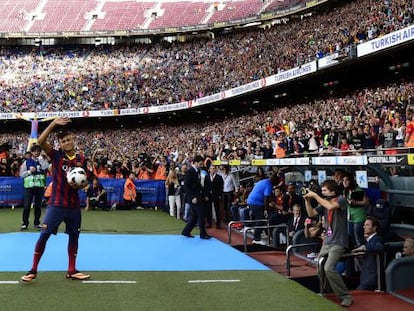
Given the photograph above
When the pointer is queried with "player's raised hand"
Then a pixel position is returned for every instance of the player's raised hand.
(62, 120)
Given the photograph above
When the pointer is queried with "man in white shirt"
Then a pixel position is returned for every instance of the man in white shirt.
(229, 188)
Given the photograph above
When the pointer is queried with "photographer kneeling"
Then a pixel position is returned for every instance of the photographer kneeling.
(96, 196)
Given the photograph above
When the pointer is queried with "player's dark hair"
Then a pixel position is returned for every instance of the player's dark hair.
(63, 133)
(198, 158)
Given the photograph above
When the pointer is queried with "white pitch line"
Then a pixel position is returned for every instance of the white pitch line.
(109, 282)
(9, 282)
(213, 281)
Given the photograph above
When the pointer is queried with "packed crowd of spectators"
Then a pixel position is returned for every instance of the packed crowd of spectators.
(337, 125)
(107, 77)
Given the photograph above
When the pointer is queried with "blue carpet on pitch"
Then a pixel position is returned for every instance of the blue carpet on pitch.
(124, 252)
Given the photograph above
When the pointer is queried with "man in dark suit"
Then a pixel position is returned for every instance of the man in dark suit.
(296, 223)
(373, 246)
(194, 195)
(216, 195)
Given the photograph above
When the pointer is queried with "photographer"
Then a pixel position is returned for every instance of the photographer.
(5, 168)
(5, 150)
(5, 165)
(312, 186)
(334, 209)
(143, 167)
(96, 196)
(100, 164)
(15, 164)
(142, 171)
(161, 168)
(120, 168)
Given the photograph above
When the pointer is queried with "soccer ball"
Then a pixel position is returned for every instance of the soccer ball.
(77, 178)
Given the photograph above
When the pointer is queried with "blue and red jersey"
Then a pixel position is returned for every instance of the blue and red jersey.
(63, 195)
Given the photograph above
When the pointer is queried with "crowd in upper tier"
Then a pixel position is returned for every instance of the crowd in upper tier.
(106, 77)
(362, 121)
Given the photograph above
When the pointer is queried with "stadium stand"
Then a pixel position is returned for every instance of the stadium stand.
(58, 15)
(179, 14)
(138, 76)
(259, 122)
(278, 5)
(13, 14)
(76, 15)
(234, 10)
(129, 15)
(220, 62)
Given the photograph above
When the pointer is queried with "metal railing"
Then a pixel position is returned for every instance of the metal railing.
(247, 229)
(320, 260)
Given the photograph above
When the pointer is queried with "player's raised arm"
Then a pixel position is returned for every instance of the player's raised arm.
(42, 140)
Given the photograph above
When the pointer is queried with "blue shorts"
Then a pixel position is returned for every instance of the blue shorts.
(56, 215)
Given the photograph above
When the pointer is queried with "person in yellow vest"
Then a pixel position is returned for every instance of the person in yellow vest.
(33, 171)
(132, 198)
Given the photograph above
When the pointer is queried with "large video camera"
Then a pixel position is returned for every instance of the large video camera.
(144, 160)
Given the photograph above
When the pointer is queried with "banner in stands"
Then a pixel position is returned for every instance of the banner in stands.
(153, 192)
(386, 41)
(399, 160)
(385, 159)
(329, 60)
(291, 74)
